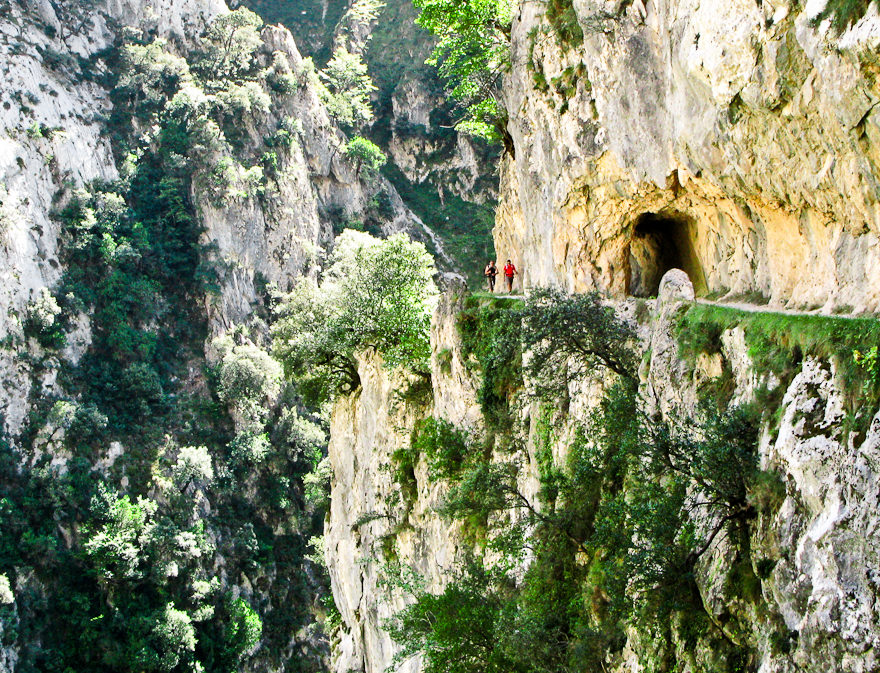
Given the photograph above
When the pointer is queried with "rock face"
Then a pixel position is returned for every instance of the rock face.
(738, 142)
(817, 549)
(371, 519)
(51, 134)
(53, 139)
(447, 179)
(58, 137)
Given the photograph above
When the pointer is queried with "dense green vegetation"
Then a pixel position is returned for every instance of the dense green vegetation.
(617, 532)
(489, 328)
(395, 53)
(375, 294)
(472, 53)
(347, 88)
(113, 558)
(779, 342)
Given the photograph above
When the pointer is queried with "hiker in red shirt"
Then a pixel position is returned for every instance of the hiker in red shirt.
(509, 272)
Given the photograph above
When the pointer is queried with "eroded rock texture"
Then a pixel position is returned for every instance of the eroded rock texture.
(815, 605)
(735, 140)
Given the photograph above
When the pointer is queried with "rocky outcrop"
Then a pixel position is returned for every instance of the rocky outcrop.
(51, 135)
(735, 141)
(814, 550)
(53, 139)
(372, 519)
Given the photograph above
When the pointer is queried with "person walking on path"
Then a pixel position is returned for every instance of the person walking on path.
(509, 272)
(490, 273)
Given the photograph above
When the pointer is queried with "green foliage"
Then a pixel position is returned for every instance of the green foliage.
(244, 630)
(778, 343)
(111, 567)
(465, 228)
(563, 18)
(365, 154)
(347, 88)
(249, 378)
(612, 538)
(175, 637)
(44, 320)
(150, 75)
(455, 631)
(490, 333)
(375, 294)
(869, 361)
(569, 335)
(230, 44)
(444, 446)
(472, 53)
(844, 13)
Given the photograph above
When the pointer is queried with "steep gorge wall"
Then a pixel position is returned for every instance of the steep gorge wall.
(51, 134)
(65, 136)
(735, 140)
(818, 606)
(54, 140)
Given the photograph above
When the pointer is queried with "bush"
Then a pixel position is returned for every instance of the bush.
(346, 89)
(44, 320)
(375, 294)
(230, 45)
(490, 331)
(365, 154)
(248, 375)
(444, 446)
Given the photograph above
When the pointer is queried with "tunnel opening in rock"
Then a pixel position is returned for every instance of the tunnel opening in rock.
(660, 242)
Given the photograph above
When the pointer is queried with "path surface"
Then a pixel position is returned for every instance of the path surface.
(764, 308)
(748, 308)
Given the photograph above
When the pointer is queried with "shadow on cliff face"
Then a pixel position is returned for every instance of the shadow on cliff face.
(661, 242)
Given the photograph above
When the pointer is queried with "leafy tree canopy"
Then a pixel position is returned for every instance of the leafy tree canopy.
(375, 294)
(472, 53)
(365, 154)
(231, 42)
(347, 88)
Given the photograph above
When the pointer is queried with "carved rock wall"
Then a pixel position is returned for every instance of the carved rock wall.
(735, 140)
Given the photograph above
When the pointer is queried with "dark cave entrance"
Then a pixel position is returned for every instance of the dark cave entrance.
(660, 242)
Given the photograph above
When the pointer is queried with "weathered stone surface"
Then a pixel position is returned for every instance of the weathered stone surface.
(366, 429)
(816, 551)
(733, 140)
(51, 134)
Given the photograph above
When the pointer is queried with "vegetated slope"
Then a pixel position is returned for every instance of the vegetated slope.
(640, 490)
(447, 179)
(167, 173)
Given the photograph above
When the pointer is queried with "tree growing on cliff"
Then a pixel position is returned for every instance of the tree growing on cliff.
(365, 154)
(375, 294)
(346, 89)
(472, 54)
(231, 43)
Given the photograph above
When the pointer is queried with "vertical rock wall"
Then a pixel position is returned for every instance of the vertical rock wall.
(747, 134)
(818, 550)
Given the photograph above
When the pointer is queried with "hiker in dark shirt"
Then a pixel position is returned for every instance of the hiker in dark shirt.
(490, 273)
(509, 272)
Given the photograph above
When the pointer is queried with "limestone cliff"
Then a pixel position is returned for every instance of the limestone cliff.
(194, 234)
(447, 179)
(54, 140)
(814, 551)
(737, 141)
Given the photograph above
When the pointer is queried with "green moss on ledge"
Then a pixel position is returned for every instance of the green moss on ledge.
(779, 342)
